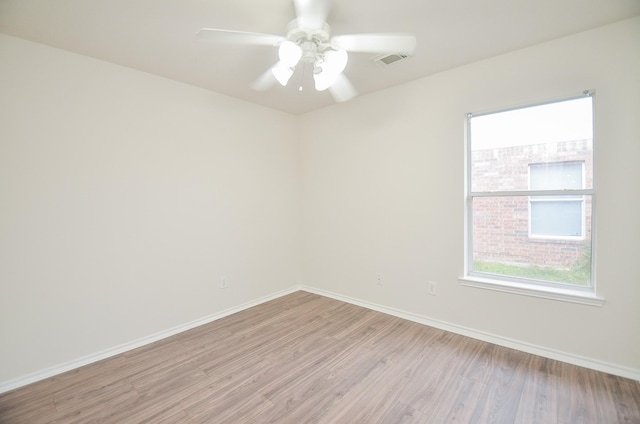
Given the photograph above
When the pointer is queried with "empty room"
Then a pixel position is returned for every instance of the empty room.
(314, 211)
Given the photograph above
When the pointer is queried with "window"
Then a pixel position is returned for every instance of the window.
(556, 216)
(530, 198)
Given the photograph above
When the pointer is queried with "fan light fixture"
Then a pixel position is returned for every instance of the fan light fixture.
(282, 73)
(310, 46)
(327, 65)
(326, 72)
(290, 53)
(308, 40)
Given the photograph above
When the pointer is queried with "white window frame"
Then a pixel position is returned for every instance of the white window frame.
(581, 199)
(516, 285)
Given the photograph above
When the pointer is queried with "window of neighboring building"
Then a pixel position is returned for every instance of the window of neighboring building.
(530, 196)
(559, 215)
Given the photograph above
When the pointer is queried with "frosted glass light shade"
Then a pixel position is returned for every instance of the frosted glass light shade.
(282, 73)
(323, 80)
(335, 61)
(290, 53)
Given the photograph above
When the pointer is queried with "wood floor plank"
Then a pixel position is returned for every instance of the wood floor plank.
(179, 418)
(304, 358)
(500, 398)
(539, 400)
(622, 395)
(24, 406)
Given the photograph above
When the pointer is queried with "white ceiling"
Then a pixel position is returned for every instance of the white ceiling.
(159, 36)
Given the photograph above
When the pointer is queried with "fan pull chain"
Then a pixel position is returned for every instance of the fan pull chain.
(304, 65)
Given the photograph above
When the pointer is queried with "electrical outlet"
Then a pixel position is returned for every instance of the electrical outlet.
(224, 282)
(379, 280)
(432, 288)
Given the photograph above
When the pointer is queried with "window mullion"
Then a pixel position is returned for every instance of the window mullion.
(507, 193)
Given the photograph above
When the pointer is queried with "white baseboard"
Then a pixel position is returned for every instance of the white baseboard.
(469, 332)
(582, 361)
(107, 353)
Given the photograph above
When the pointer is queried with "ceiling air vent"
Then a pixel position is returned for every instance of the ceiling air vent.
(389, 59)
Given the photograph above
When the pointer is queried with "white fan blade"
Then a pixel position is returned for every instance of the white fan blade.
(240, 37)
(342, 90)
(312, 14)
(375, 43)
(265, 81)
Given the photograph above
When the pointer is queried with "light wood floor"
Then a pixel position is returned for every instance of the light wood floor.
(304, 358)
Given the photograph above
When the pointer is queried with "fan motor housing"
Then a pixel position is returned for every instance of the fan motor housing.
(299, 34)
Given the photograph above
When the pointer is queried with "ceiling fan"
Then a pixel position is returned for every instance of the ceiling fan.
(308, 41)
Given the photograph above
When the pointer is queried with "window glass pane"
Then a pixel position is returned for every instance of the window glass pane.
(502, 246)
(556, 218)
(504, 144)
(556, 176)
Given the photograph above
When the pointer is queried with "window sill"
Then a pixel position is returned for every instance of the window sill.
(553, 293)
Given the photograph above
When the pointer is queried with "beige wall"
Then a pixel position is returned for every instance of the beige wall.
(383, 180)
(124, 197)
